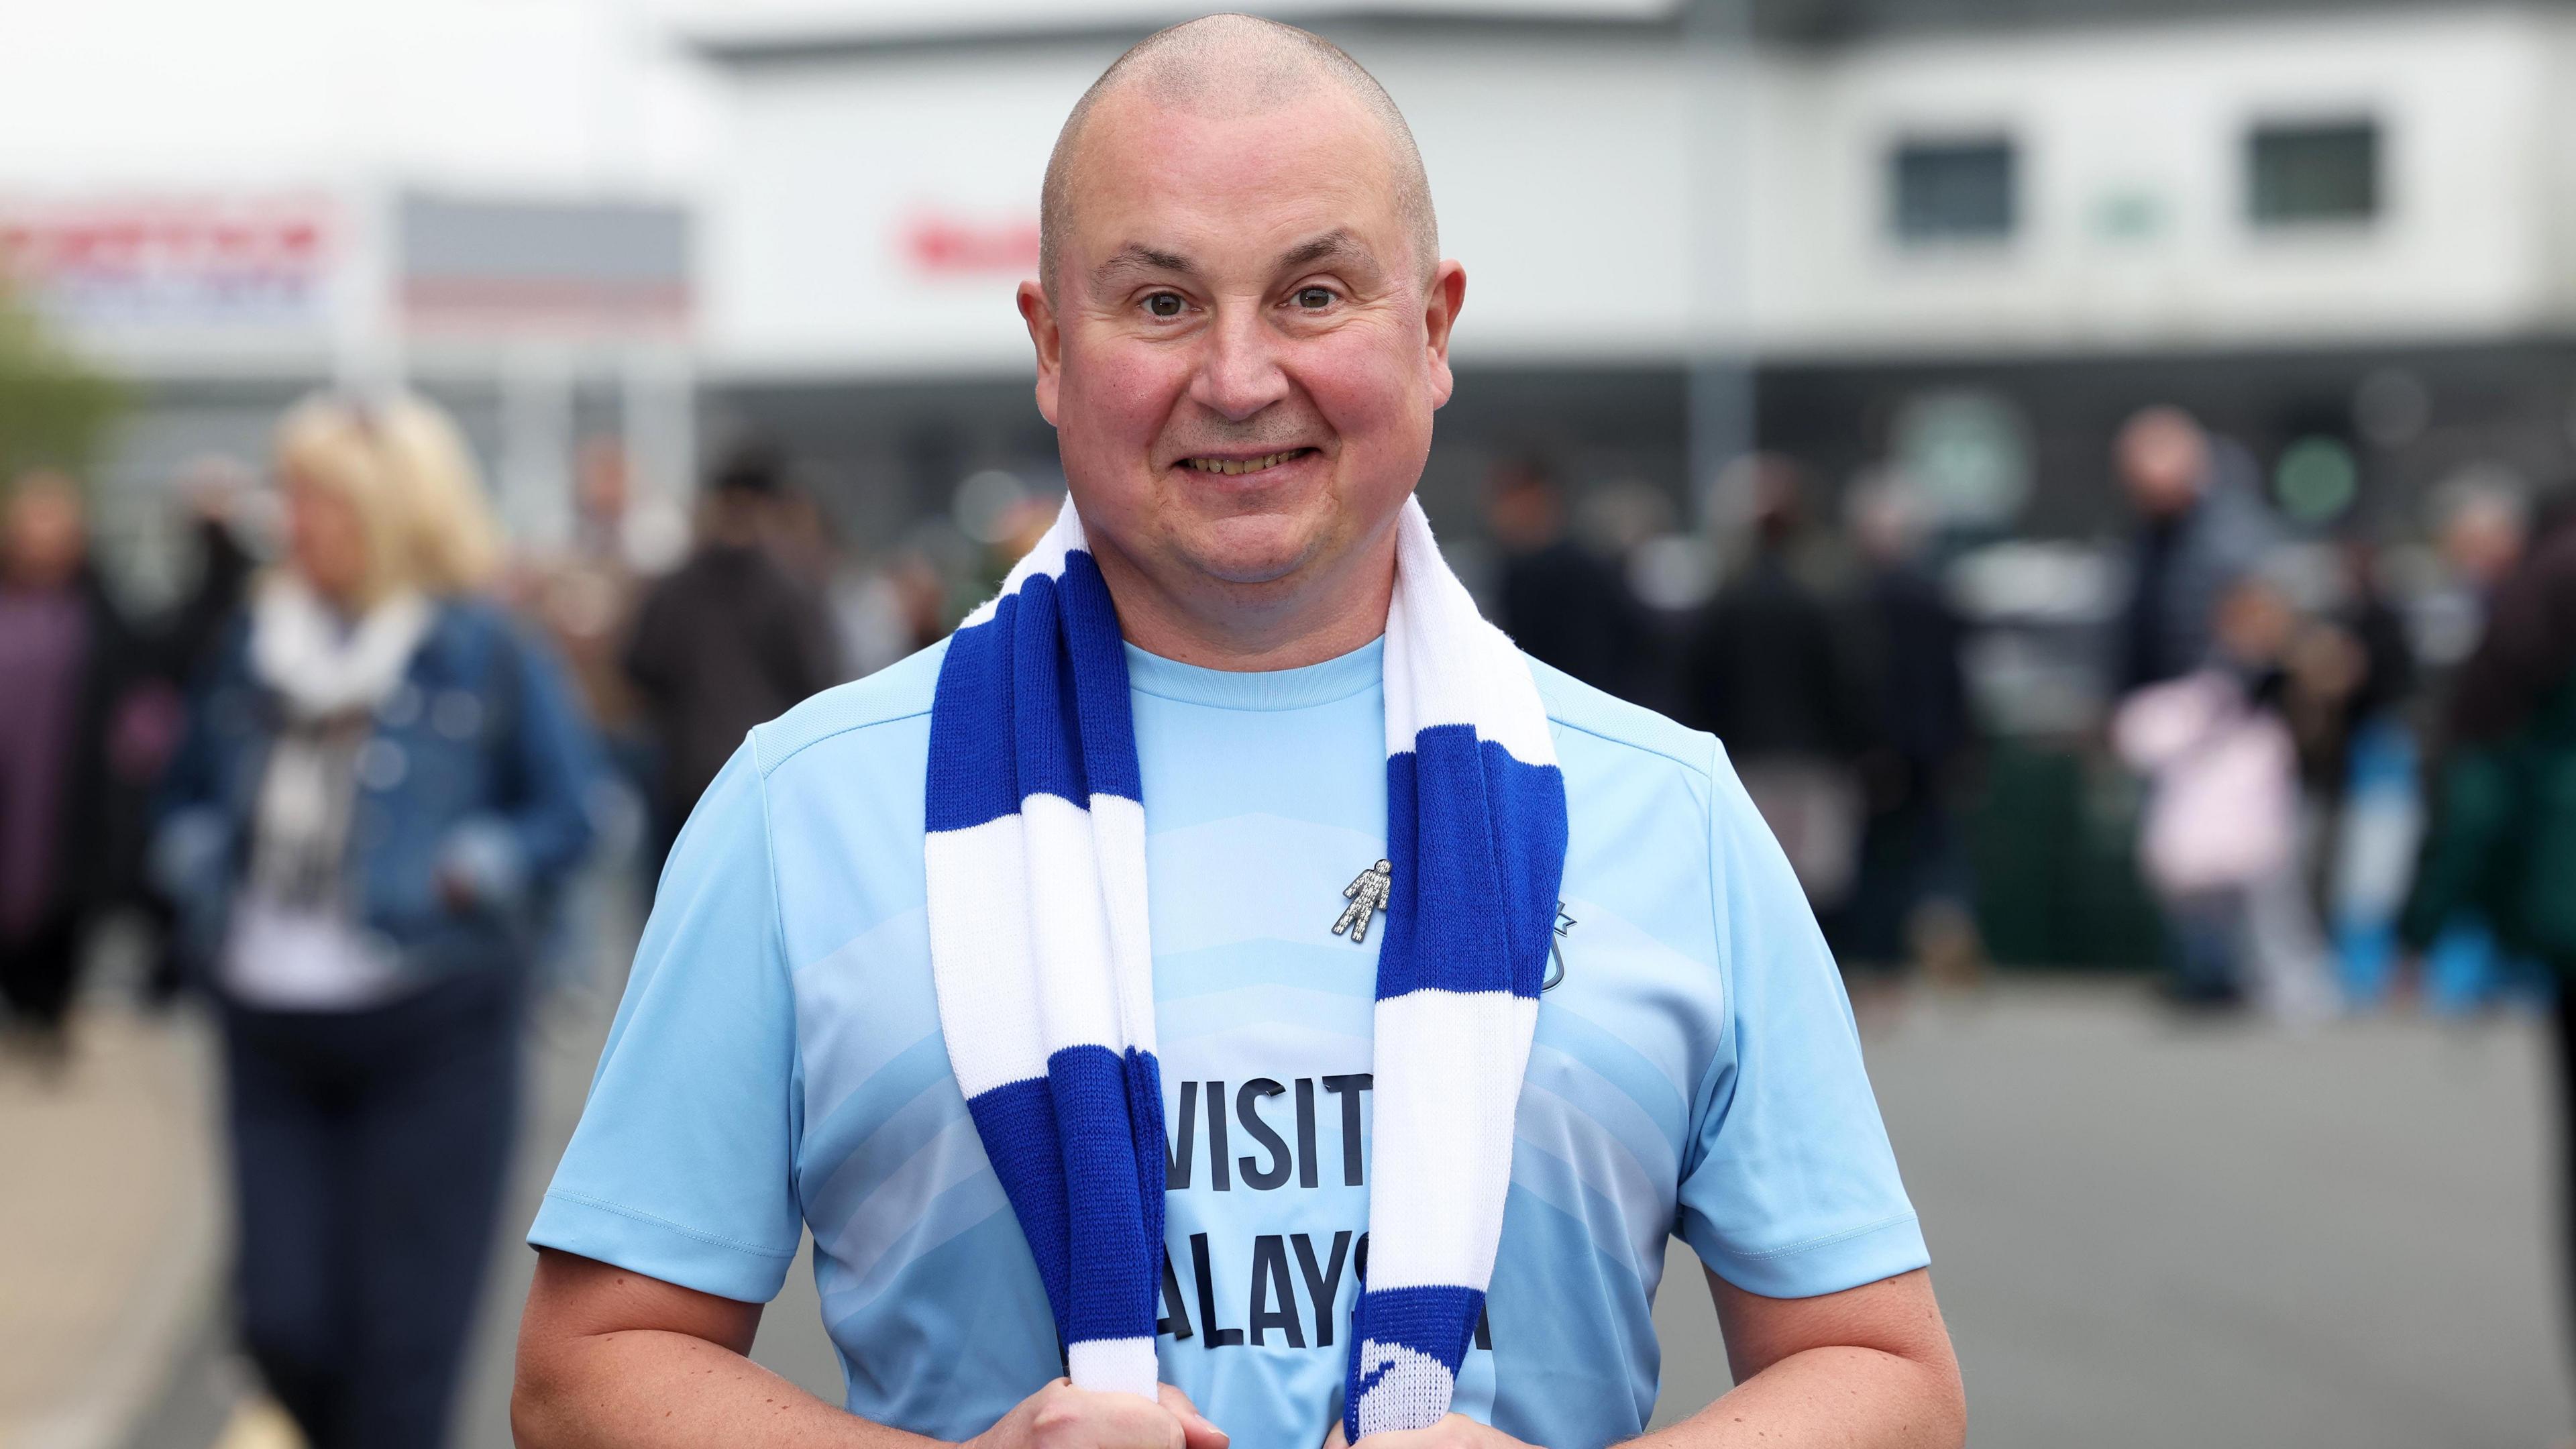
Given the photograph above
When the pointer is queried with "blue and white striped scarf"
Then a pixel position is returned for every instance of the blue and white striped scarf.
(1038, 944)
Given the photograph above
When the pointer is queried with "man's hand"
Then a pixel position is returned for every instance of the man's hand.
(1061, 1416)
(1454, 1431)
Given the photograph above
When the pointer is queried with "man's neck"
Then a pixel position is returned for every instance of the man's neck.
(1318, 614)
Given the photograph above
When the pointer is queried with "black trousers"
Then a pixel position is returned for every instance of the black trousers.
(368, 1155)
(36, 970)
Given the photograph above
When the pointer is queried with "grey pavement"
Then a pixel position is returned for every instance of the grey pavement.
(108, 1224)
(2144, 1234)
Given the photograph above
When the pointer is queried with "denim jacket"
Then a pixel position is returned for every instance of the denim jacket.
(479, 768)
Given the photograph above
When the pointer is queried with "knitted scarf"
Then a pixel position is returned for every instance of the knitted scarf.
(1038, 942)
(327, 675)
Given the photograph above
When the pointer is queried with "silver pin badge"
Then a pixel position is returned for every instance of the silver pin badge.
(1367, 894)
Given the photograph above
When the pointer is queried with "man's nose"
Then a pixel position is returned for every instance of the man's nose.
(1239, 373)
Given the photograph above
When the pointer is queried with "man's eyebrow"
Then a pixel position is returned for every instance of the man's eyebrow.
(1335, 245)
(1135, 257)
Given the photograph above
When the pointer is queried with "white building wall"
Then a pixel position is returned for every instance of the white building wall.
(2161, 113)
(1573, 170)
(829, 161)
(1558, 172)
(1562, 175)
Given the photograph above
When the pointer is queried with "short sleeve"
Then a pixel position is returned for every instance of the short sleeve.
(682, 1167)
(1789, 1188)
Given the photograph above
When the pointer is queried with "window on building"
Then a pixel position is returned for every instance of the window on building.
(1954, 191)
(2308, 173)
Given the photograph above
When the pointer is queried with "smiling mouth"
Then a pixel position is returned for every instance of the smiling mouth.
(1233, 466)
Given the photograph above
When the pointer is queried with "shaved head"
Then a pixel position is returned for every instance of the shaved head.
(1241, 332)
(1233, 66)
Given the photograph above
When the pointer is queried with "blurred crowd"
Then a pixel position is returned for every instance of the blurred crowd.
(374, 784)
(369, 782)
(2292, 700)
(2299, 735)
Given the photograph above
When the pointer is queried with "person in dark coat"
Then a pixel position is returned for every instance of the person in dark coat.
(2503, 842)
(1912, 899)
(185, 644)
(2197, 535)
(213, 490)
(68, 657)
(1769, 672)
(1559, 601)
(725, 642)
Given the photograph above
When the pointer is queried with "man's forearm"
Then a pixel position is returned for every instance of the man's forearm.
(654, 1389)
(610, 1359)
(1838, 1396)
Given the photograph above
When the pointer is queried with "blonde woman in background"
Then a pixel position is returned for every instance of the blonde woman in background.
(453, 542)
(381, 785)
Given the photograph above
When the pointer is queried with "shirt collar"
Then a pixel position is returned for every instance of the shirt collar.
(1264, 689)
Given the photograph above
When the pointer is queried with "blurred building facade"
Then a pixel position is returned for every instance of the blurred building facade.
(231, 204)
(1970, 235)
(541, 321)
(1967, 236)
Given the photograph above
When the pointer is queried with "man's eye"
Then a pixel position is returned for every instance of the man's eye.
(1164, 304)
(1314, 299)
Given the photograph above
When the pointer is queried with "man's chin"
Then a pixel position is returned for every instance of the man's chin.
(1250, 552)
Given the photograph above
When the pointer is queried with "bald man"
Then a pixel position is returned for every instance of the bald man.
(1241, 327)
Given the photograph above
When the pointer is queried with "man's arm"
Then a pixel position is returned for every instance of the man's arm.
(610, 1359)
(1866, 1368)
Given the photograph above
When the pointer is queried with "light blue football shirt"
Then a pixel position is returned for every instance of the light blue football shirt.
(777, 1063)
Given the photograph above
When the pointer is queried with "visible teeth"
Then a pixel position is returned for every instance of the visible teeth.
(1232, 466)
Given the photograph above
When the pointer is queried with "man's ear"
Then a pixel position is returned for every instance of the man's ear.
(1440, 304)
(1039, 312)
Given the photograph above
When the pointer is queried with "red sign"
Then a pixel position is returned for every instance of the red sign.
(170, 258)
(941, 244)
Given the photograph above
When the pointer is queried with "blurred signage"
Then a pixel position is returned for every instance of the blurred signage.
(1968, 450)
(184, 261)
(939, 243)
(585, 270)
